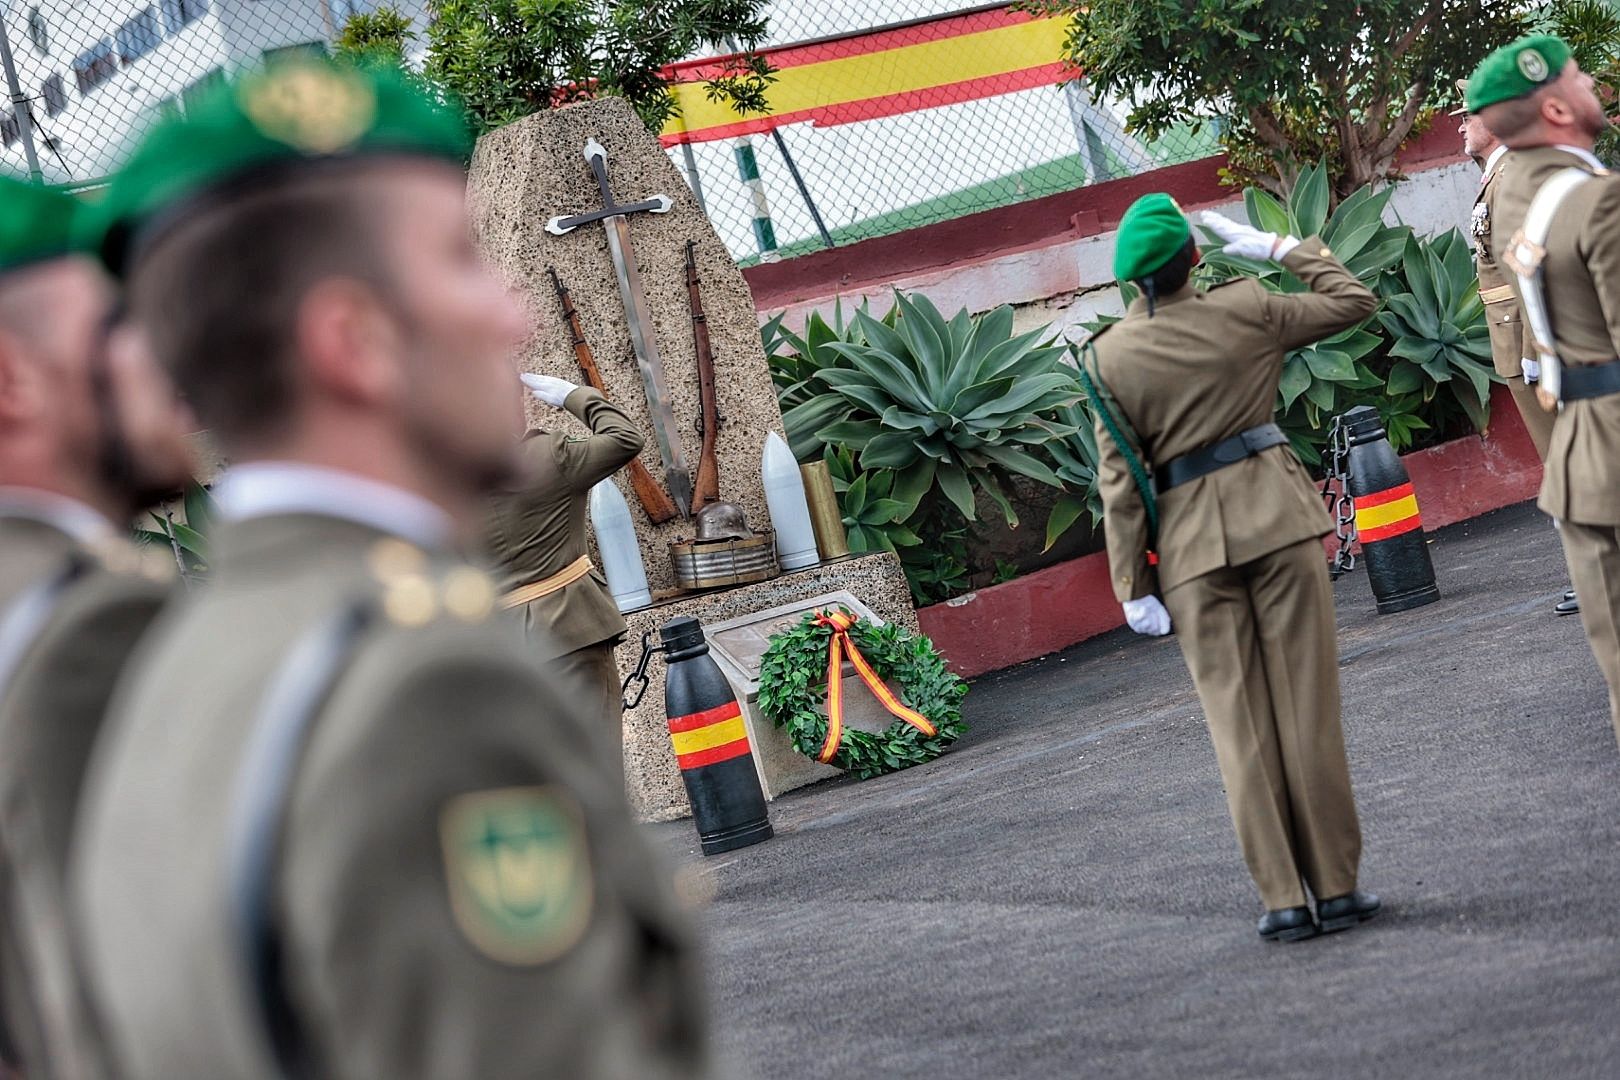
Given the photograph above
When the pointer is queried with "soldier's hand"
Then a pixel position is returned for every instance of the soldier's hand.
(1246, 241)
(1531, 369)
(1147, 616)
(551, 390)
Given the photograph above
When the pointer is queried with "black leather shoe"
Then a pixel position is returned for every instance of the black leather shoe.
(1288, 924)
(1568, 605)
(1343, 912)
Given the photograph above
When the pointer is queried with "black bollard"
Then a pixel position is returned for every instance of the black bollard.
(711, 743)
(1387, 519)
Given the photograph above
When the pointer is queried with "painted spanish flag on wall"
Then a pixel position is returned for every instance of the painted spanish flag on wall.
(883, 72)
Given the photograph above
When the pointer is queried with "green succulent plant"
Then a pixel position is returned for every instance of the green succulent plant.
(956, 403)
(1436, 323)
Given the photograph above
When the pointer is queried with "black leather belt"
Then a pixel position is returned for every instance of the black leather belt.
(1206, 459)
(1590, 380)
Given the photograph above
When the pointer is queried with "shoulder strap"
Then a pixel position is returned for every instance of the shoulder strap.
(1525, 255)
(24, 619)
(1120, 431)
(293, 699)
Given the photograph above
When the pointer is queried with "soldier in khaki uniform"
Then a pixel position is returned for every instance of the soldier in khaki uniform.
(1512, 351)
(1189, 380)
(537, 534)
(346, 826)
(89, 433)
(1535, 98)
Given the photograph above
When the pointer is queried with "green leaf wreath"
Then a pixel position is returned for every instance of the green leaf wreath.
(793, 693)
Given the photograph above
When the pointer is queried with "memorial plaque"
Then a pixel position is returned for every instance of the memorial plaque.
(739, 644)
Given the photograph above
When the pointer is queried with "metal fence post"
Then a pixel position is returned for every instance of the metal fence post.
(20, 102)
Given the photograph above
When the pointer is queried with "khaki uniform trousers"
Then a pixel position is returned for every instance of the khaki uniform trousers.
(596, 682)
(1593, 554)
(1260, 642)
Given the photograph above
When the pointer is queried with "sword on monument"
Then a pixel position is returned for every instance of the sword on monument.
(709, 419)
(677, 477)
(652, 498)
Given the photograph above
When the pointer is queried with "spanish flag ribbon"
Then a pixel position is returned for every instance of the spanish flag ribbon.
(841, 621)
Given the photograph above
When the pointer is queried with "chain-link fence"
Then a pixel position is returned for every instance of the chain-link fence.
(92, 74)
(889, 114)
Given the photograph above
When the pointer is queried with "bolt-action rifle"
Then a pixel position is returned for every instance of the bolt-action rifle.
(657, 505)
(707, 487)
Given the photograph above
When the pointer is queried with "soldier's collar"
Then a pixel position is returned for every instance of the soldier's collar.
(264, 488)
(1186, 292)
(1493, 158)
(68, 515)
(1586, 156)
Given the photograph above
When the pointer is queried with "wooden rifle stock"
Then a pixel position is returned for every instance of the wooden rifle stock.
(657, 505)
(706, 489)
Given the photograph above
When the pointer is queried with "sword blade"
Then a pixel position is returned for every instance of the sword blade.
(677, 477)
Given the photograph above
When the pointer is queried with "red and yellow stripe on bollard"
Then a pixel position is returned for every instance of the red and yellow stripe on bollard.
(1387, 513)
(709, 737)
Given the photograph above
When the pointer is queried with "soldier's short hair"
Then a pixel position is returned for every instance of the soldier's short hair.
(1174, 274)
(1509, 119)
(219, 292)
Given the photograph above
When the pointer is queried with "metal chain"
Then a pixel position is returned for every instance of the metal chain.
(640, 676)
(1336, 495)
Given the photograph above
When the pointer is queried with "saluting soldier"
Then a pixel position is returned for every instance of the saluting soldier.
(537, 534)
(1188, 381)
(1558, 228)
(90, 432)
(347, 826)
(1512, 351)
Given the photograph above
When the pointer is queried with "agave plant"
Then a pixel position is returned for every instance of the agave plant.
(956, 403)
(187, 540)
(1436, 321)
(795, 360)
(1076, 459)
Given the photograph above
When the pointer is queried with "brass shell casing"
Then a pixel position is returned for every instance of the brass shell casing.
(826, 519)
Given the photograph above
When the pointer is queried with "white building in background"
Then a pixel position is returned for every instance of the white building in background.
(97, 72)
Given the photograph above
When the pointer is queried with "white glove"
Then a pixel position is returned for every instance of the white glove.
(1246, 241)
(1531, 369)
(1147, 616)
(552, 391)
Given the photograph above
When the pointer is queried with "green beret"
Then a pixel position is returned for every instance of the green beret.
(260, 126)
(1517, 69)
(1150, 234)
(36, 224)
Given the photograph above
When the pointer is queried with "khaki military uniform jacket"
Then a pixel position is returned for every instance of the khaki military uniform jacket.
(1206, 366)
(71, 619)
(1581, 276)
(539, 529)
(458, 890)
(1510, 338)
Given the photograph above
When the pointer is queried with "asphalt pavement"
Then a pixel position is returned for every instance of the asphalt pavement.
(1062, 896)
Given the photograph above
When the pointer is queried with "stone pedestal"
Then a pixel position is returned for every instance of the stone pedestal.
(654, 783)
(535, 169)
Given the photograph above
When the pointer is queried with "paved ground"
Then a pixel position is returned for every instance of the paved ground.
(1062, 896)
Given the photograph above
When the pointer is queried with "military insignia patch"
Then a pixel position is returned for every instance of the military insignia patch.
(315, 109)
(1532, 65)
(519, 871)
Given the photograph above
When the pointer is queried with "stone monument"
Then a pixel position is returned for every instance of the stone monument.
(535, 170)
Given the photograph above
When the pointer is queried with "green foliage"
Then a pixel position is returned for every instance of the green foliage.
(956, 405)
(505, 59)
(1290, 84)
(375, 38)
(793, 693)
(885, 510)
(1075, 456)
(188, 540)
(794, 363)
(1436, 324)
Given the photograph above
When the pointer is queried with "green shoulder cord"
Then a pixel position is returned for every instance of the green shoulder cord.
(1144, 484)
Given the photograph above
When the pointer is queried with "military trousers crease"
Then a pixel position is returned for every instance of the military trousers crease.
(1593, 554)
(1260, 642)
(596, 680)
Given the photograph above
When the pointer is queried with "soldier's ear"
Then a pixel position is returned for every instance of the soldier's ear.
(347, 342)
(20, 385)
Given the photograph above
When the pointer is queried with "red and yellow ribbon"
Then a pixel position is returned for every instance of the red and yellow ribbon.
(841, 621)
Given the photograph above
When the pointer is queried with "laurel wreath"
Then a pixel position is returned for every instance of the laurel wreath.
(793, 693)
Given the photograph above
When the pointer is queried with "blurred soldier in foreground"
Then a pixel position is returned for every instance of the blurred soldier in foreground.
(537, 534)
(90, 432)
(1186, 384)
(347, 826)
(1558, 229)
(1512, 351)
